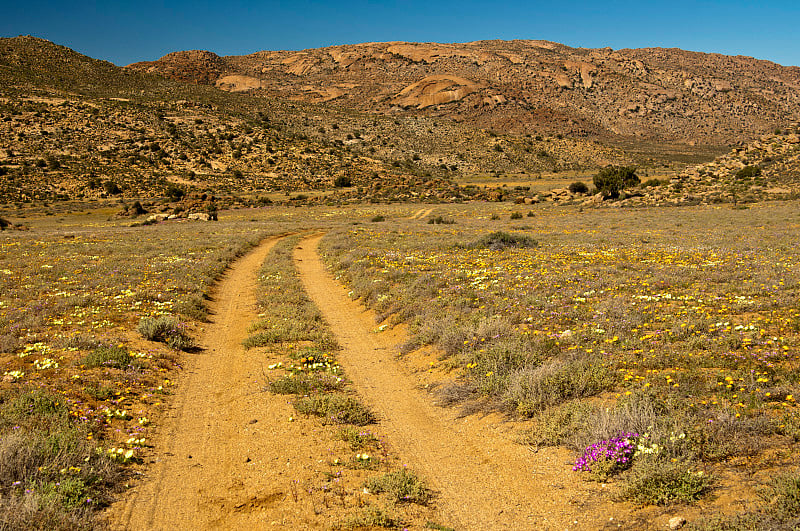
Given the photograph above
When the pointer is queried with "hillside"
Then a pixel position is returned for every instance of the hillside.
(523, 87)
(75, 127)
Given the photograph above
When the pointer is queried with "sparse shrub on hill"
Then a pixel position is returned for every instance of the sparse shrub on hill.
(516, 215)
(578, 187)
(112, 188)
(611, 180)
(748, 172)
(343, 181)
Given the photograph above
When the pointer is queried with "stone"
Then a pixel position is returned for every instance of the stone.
(677, 522)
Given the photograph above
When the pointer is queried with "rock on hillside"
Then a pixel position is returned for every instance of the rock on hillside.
(523, 86)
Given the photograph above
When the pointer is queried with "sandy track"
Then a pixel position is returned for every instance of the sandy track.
(485, 480)
(420, 214)
(214, 464)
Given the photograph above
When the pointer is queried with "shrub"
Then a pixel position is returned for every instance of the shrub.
(4, 223)
(165, 329)
(613, 179)
(116, 357)
(112, 188)
(655, 482)
(403, 486)
(607, 457)
(654, 182)
(748, 172)
(439, 220)
(358, 439)
(336, 408)
(516, 215)
(532, 389)
(578, 187)
(304, 384)
(783, 497)
(500, 240)
(378, 218)
(370, 517)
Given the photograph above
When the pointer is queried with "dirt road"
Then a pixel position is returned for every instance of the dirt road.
(226, 458)
(485, 481)
(225, 453)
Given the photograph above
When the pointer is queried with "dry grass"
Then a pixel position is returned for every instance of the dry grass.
(682, 321)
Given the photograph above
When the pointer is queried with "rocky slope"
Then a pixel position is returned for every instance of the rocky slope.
(529, 87)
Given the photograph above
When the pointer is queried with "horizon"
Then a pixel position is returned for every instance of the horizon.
(129, 32)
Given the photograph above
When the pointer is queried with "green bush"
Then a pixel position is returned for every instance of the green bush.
(748, 172)
(611, 180)
(343, 181)
(578, 187)
(116, 357)
(656, 482)
(516, 215)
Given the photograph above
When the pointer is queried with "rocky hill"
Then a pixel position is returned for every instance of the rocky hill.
(522, 87)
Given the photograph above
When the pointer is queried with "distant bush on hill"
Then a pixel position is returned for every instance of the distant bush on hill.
(748, 172)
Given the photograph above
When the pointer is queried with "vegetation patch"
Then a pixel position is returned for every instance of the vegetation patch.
(402, 486)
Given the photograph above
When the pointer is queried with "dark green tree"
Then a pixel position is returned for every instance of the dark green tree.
(611, 180)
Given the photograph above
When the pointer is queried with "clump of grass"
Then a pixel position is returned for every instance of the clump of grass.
(165, 329)
(499, 240)
(516, 215)
(439, 220)
(532, 389)
(116, 357)
(371, 516)
(378, 218)
(403, 486)
(336, 408)
(306, 383)
(657, 482)
(358, 439)
(193, 307)
(558, 425)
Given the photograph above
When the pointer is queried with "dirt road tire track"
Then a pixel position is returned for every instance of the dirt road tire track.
(485, 481)
(211, 474)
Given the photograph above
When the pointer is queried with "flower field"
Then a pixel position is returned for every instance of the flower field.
(681, 324)
(79, 386)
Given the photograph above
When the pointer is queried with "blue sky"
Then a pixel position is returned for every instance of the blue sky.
(124, 32)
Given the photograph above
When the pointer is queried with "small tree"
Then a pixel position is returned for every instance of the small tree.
(613, 179)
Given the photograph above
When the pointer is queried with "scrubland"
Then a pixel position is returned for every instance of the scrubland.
(659, 345)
